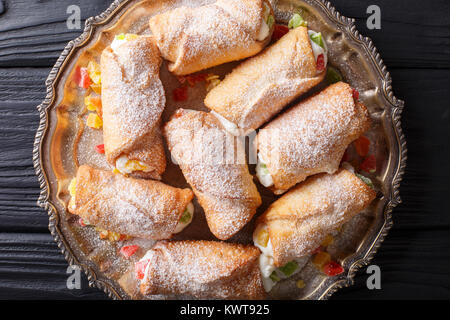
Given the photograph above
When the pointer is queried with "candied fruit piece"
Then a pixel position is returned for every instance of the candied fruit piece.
(327, 241)
(263, 238)
(128, 251)
(321, 258)
(332, 268)
(139, 269)
(300, 284)
(94, 72)
(94, 121)
(73, 187)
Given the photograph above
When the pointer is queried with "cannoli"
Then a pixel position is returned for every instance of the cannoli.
(133, 100)
(193, 39)
(310, 138)
(134, 207)
(261, 86)
(213, 163)
(298, 222)
(202, 269)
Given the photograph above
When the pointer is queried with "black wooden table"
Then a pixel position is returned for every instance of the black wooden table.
(414, 42)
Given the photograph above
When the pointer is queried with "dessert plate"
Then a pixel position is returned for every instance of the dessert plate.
(62, 143)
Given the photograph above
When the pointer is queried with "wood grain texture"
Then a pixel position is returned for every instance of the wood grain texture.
(34, 32)
(415, 44)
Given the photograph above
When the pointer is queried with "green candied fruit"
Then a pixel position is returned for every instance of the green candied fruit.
(186, 216)
(333, 76)
(270, 21)
(274, 277)
(120, 36)
(289, 268)
(297, 21)
(264, 168)
(317, 38)
(365, 180)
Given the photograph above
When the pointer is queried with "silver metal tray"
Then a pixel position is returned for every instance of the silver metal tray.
(55, 158)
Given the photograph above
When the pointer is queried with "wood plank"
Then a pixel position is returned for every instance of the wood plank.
(407, 40)
(21, 89)
(412, 266)
(413, 34)
(37, 39)
(32, 266)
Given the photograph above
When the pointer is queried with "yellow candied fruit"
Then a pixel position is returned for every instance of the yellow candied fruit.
(103, 234)
(212, 81)
(108, 235)
(263, 237)
(211, 76)
(300, 284)
(125, 237)
(92, 103)
(94, 72)
(134, 165)
(327, 241)
(113, 236)
(73, 187)
(116, 171)
(97, 88)
(321, 258)
(94, 121)
(130, 36)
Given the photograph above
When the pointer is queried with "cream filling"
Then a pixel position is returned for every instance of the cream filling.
(266, 262)
(265, 29)
(348, 166)
(117, 43)
(228, 125)
(263, 173)
(266, 265)
(72, 192)
(318, 50)
(181, 225)
(127, 166)
(266, 250)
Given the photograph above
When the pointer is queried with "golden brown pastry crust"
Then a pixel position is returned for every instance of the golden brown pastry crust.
(133, 100)
(312, 137)
(204, 269)
(134, 207)
(225, 189)
(300, 220)
(261, 86)
(193, 39)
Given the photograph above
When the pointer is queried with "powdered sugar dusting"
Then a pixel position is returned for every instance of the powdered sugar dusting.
(225, 189)
(198, 38)
(132, 94)
(312, 136)
(204, 269)
(140, 208)
(300, 220)
(261, 86)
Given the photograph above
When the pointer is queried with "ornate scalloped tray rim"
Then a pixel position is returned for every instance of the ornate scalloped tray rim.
(359, 259)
